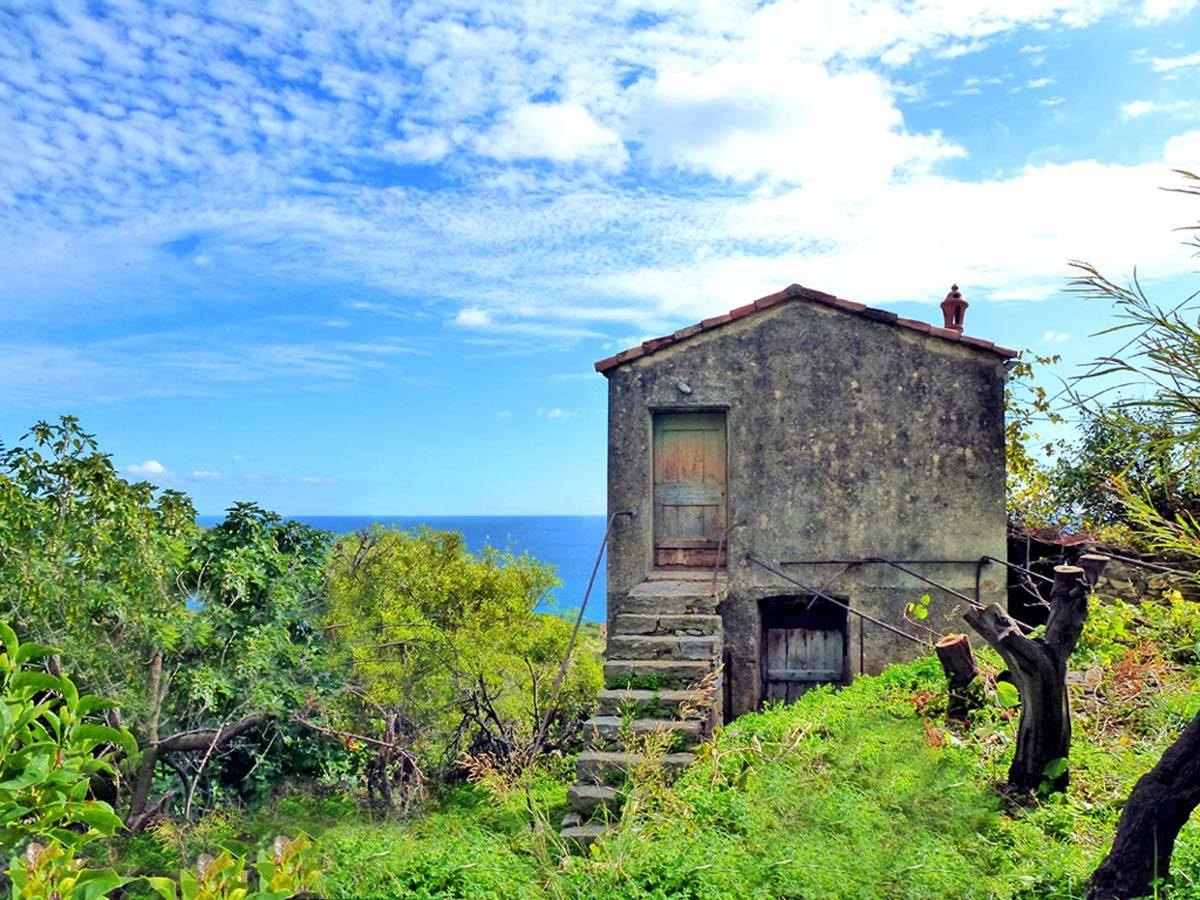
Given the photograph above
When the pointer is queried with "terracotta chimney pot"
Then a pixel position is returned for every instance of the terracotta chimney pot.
(954, 309)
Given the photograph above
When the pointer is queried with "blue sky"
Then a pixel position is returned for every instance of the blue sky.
(360, 257)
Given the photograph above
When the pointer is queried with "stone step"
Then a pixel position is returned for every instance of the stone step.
(650, 704)
(704, 576)
(590, 799)
(669, 597)
(609, 731)
(609, 766)
(669, 623)
(652, 674)
(583, 836)
(664, 646)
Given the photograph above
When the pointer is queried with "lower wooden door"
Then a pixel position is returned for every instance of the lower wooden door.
(803, 645)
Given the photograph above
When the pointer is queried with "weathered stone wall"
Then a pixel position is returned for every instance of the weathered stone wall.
(847, 438)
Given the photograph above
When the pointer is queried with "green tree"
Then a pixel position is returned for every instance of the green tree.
(447, 651)
(1137, 448)
(202, 638)
(52, 745)
(251, 650)
(88, 560)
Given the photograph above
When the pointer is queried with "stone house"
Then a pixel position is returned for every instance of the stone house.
(785, 443)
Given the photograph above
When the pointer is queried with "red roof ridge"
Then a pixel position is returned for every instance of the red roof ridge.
(797, 292)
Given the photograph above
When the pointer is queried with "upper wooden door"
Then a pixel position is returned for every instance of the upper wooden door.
(689, 488)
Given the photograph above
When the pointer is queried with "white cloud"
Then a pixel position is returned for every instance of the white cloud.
(1006, 238)
(1172, 63)
(286, 165)
(149, 467)
(782, 119)
(1056, 337)
(1052, 101)
(504, 414)
(1183, 151)
(473, 317)
(206, 475)
(1039, 83)
(563, 132)
(555, 414)
(312, 479)
(1137, 108)
(1158, 10)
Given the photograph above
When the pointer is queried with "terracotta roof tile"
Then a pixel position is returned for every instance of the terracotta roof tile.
(654, 343)
(798, 292)
(715, 321)
(915, 325)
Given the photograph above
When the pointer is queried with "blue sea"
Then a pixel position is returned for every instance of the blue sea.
(569, 543)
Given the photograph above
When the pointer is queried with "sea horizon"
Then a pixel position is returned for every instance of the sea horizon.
(567, 542)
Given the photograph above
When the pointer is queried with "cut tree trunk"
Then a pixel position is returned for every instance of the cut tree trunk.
(1039, 670)
(958, 662)
(1158, 807)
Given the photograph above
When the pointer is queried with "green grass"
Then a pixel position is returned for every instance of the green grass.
(856, 793)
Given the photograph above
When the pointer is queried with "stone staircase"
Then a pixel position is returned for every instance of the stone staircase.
(666, 639)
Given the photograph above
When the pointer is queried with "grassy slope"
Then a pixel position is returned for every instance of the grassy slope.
(854, 793)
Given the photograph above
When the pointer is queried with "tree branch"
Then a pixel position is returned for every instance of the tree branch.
(195, 741)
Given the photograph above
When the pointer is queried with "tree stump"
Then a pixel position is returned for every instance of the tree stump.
(1157, 808)
(1039, 670)
(958, 662)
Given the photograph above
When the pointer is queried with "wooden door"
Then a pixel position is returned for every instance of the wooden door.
(797, 659)
(689, 488)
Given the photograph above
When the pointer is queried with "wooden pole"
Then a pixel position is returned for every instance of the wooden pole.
(958, 662)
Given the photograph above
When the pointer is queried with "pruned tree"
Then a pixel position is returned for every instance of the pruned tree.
(1159, 806)
(1039, 669)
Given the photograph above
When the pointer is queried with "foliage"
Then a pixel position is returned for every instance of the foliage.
(50, 749)
(188, 631)
(447, 651)
(53, 870)
(1030, 494)
(1122, 452)
(1154, 422)
(860, 792)
(284, 871)
(252, 593)
(88, 560)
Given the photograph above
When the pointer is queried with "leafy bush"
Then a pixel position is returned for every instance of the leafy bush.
(51, 748)
(447, 651)
(286, 870)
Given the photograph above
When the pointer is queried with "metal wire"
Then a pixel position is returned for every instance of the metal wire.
(1154, 567)
(1029, 572)
(566, 660)
(941, 587)
(824, 596)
